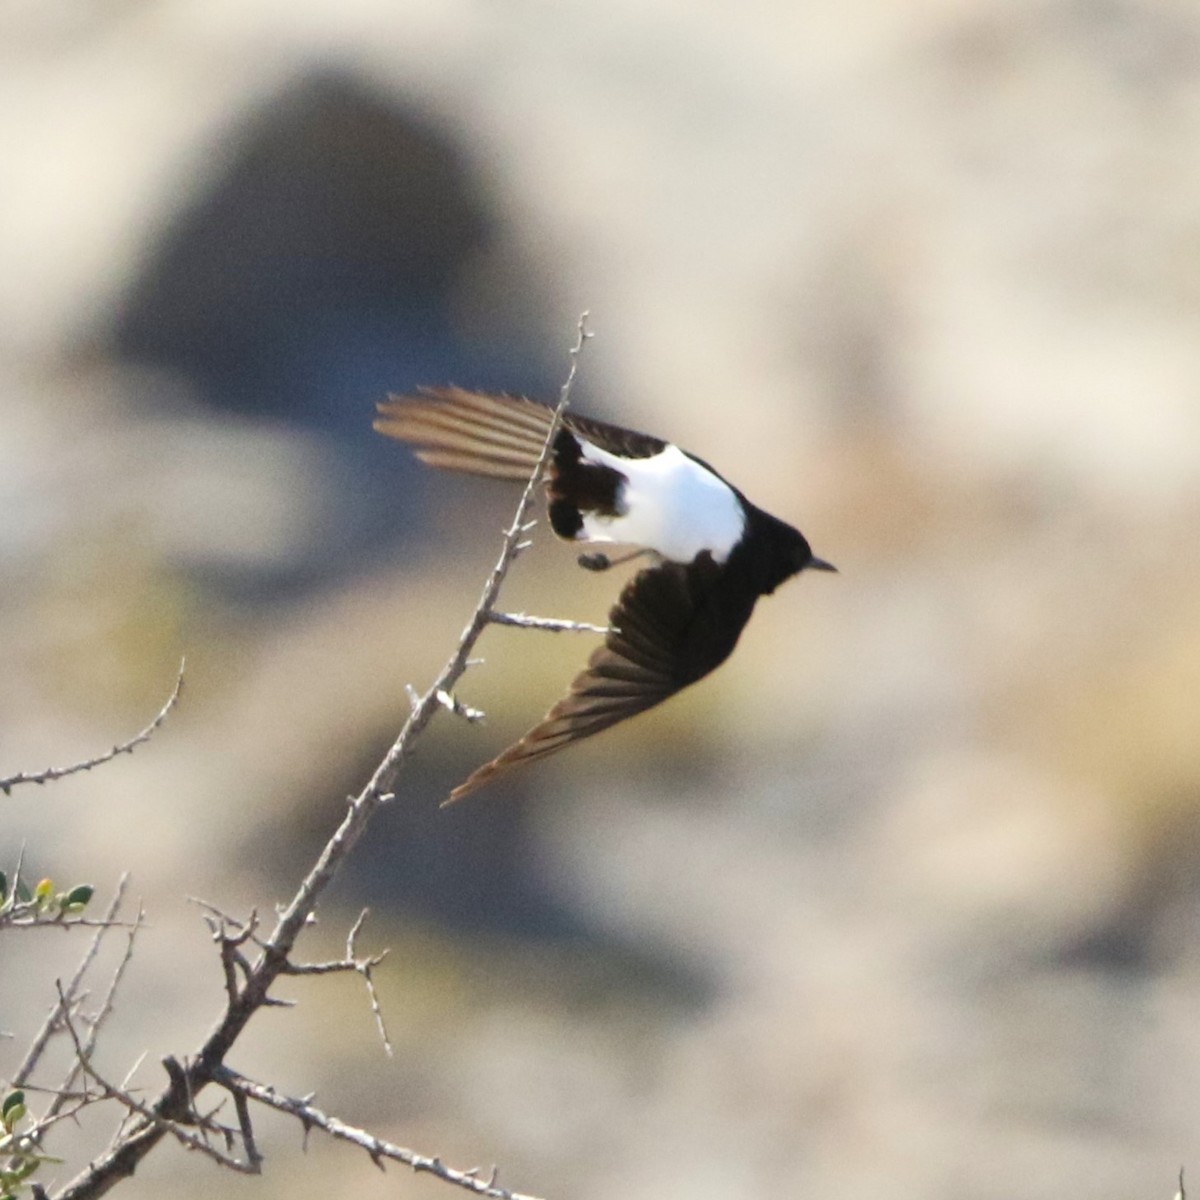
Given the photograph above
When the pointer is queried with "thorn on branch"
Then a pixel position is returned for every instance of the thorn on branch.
(453, 704)
(133, 1070)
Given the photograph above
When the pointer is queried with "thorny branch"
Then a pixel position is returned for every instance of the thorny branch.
(246, 995)
(52, 773)
(377, 1148)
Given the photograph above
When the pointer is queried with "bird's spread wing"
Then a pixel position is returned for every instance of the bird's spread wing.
(500, 436)
(672, 625)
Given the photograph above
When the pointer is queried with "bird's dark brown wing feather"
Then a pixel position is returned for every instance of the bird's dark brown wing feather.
(499, 436)
(626, 442)
(672, 625)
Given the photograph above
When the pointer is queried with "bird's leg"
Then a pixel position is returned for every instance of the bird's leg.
(601, 562)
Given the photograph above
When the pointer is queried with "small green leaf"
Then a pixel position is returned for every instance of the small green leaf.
(76, 900)
(11, 1101)
(24, 895)
(3, 887)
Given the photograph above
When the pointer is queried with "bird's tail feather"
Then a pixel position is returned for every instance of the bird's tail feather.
(458, 430)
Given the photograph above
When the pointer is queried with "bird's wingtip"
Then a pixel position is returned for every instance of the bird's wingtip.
(472, 783)
(458, 793)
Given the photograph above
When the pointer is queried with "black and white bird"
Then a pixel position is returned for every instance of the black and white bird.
(713, 553)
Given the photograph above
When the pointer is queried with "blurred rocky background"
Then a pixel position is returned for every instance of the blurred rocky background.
(905, 901)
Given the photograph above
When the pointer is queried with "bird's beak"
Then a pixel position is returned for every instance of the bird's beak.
(819, 564)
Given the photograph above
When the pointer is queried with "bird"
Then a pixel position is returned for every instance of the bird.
(712, 553)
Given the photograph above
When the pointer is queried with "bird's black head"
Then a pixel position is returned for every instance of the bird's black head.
(782, 551)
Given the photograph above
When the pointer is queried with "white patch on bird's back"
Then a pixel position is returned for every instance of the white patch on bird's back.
(670, 504)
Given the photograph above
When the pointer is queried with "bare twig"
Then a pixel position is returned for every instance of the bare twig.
(31, 916)
(73, 1103)
(232, 958)
(52, 773)
(53, 1019)
(106, 1005)
(175, 1102)
(376, 1148)
(365, 967)
(242, 1107)
(351, 962)
(250, 925)
(550, 624)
